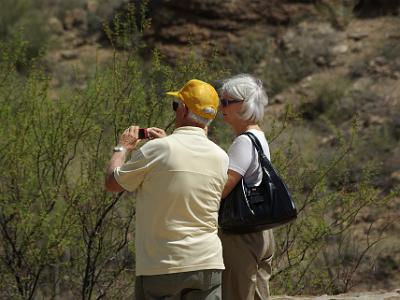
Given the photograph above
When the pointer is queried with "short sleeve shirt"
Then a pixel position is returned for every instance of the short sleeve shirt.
(179, 180)
(243, 157)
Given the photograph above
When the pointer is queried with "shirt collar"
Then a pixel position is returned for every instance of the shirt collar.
(190, 130)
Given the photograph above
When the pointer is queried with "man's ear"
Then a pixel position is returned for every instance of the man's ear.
(186, 111)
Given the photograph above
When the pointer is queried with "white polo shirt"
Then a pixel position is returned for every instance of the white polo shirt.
(179, 180)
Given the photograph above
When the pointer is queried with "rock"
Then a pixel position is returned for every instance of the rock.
(325, 29)
(395, 75)
(379, 66)
(75, 18)
(92, 6)
(357, 35)
(309, 78)
(216, 20)
(69, 37)
(330, 140)
(340, 49)
(287, 39)
(189, 33)
(394, 36)
(380, 61)
(359, 85)
(55, 25)
(395, 176)
(278, 99)
(335, 63)
(304, 85)
(94, 38)
(321, 61)
(385, 70)
(372, 63)
(69, 54)
(55, 82)
(357, 48)
(376, 120)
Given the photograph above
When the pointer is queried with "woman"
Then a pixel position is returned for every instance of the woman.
(247, 257)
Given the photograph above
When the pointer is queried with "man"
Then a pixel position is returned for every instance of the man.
(179, 180)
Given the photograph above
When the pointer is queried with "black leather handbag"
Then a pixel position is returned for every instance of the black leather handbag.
(257, 208)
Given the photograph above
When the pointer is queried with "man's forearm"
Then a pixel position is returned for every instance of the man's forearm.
(127, 142)
(116, 161)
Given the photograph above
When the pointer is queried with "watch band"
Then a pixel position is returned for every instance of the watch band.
(119, 149)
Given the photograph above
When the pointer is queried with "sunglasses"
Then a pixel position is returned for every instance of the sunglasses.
(226, 102)
(175, 105)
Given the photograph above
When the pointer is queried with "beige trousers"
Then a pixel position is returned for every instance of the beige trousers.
(247, 259)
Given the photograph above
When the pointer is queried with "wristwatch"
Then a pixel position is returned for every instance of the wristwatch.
(119, 149)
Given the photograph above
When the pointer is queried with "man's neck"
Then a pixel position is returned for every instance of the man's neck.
(205, 128)
(193, 124)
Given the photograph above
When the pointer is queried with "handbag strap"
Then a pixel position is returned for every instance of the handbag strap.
(266, 166)
(261, 156)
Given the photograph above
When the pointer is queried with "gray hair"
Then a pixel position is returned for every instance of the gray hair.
(249, 89)
(198, 119)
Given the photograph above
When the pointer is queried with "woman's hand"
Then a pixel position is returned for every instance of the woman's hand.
(155, 132)
(129, 138)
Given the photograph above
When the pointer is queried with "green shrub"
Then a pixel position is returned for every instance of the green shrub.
(243, 57)
(390, 51)
(339, 13)
(25, 21)
(331, 101)
(318, 252)
(275, 66)
(283, 69)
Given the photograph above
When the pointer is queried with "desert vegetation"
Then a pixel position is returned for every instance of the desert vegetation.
(63, 237)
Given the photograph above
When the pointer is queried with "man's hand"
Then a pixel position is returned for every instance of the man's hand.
(129, 138)
(155, 132)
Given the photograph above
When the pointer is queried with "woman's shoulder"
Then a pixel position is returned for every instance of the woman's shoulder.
(243, 142)
(243, 138)
(258, 133)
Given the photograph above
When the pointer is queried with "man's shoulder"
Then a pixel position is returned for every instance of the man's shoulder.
(219, 151)
(156, 146)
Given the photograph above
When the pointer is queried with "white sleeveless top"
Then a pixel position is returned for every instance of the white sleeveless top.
(243, 157)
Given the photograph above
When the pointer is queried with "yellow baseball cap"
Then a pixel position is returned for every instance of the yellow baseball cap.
(200, 97)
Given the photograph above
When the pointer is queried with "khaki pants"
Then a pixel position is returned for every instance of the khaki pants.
(247, 259)
(196, 285)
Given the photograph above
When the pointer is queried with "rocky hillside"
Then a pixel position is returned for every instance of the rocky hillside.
(357, 41)
(225, 23)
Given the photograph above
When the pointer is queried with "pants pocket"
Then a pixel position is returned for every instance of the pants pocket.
(212, 278)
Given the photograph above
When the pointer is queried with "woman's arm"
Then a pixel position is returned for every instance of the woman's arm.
(233, 179)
